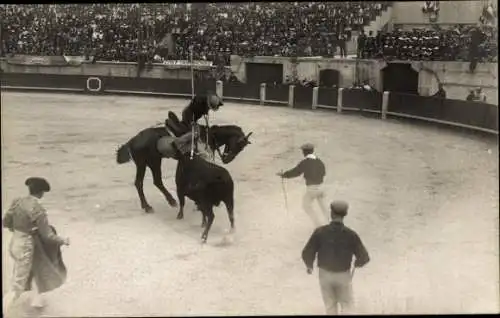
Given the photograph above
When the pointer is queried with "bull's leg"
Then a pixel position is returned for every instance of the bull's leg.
(182, 202)
(155, 166)
(209, 214)
(230, 211)
(139, 181)
(203, 220)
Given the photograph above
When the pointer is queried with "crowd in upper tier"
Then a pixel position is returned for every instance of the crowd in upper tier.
(120, 32)
(214, 31)
(453, 44)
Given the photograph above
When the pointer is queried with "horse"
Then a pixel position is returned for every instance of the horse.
(207, 184)
(143, 150)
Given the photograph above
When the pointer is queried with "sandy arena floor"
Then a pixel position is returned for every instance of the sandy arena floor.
(424, 200)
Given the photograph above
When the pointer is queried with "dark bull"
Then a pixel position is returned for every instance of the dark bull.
(205, 183)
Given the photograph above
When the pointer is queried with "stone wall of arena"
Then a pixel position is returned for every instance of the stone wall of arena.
(455, 76)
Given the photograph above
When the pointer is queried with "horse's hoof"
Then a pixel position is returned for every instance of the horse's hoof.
(172, 203)
(149, 209)
(180, 216)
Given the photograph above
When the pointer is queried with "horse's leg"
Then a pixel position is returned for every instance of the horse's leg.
(139, 181)
(155, 166)
(208, 212)
(180, 189)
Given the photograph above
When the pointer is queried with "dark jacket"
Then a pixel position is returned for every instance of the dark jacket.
(313, 170)
(335, 244)
(361, 41)
(195, 110)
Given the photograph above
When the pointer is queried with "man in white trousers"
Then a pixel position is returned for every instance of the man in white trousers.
(313, 170)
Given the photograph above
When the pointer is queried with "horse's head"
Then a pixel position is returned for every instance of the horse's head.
(230, 136)
(234, 146)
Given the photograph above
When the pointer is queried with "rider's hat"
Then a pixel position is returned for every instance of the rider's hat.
(214, 101)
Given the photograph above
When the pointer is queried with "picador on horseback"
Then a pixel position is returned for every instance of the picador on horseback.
(199, 107)
(148, 147)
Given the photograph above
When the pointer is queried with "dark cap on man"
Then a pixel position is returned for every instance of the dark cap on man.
(307, 146)
(37, 184)
(339, 208)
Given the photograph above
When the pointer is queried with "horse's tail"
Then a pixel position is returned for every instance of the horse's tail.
(123, 154)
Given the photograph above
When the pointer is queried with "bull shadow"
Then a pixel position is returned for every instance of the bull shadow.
(190, 225)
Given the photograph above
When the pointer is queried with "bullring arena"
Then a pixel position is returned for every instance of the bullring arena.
(423, 199)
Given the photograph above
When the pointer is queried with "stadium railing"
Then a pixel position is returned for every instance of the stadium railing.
(465, 114)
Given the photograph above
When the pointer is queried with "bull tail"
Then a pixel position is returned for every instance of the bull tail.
(123, 154)
(229, 202)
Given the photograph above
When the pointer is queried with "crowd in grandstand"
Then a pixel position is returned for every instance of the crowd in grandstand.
(108, 31)
(122, 32)
(452, 44)
(280, 28)
(157, 32)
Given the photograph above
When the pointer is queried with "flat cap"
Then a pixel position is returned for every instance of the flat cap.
(307, 146)
(339, 208)
(37, 184)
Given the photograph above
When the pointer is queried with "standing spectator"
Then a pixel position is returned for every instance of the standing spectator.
(480, 96)
(441, 93)
(314, 172)
(476, 38)
(361, 44)
(370, 44)
(335, 43)
(335, 245)
(366, 86)
(32, 246)
(471, 97)
(343, 44)
(488, 15)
